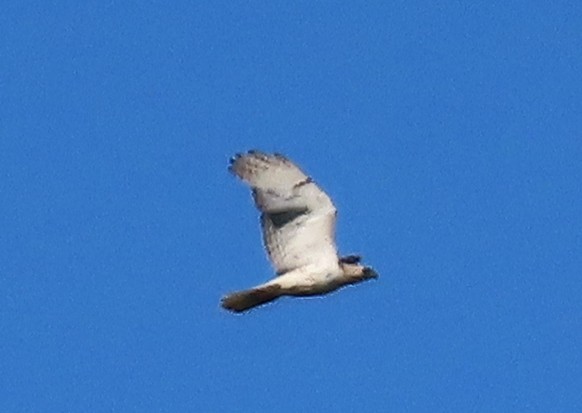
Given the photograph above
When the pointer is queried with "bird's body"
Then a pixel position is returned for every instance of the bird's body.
(298, 223)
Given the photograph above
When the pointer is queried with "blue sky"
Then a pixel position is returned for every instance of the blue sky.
(447, 133)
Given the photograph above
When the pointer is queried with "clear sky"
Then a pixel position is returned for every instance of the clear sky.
(448, 134)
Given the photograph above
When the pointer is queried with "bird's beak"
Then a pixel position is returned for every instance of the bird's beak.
(370, 273)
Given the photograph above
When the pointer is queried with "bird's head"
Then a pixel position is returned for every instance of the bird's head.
(355, 272)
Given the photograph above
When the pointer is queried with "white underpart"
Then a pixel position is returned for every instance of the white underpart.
(310, 279)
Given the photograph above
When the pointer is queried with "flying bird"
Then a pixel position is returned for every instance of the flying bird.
(298, 225)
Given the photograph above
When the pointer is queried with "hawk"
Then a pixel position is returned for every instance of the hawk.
(298, 225)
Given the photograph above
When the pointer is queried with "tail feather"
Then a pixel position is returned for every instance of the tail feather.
(244, 300)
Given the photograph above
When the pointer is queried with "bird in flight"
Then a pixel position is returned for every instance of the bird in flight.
(298, 225)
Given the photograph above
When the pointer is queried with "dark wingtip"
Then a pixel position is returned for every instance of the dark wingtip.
(234, 158)
(232, 161)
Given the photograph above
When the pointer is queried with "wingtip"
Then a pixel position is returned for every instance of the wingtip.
(234, 157)
(251, 153)
(232, 162)
(281, 157)
(257, 153)
(238, 155)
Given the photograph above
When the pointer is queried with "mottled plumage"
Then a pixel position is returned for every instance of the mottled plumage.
(298, 223)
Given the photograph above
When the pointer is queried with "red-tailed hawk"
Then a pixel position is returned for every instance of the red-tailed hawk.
(298, 222)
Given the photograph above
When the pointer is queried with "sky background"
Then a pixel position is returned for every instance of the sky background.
(447, 133)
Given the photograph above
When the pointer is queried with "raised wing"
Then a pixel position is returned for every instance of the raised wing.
(297, 217)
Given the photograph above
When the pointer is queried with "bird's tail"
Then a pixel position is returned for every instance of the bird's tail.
(244, 300)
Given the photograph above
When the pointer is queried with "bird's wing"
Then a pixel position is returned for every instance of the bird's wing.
(297, 217)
